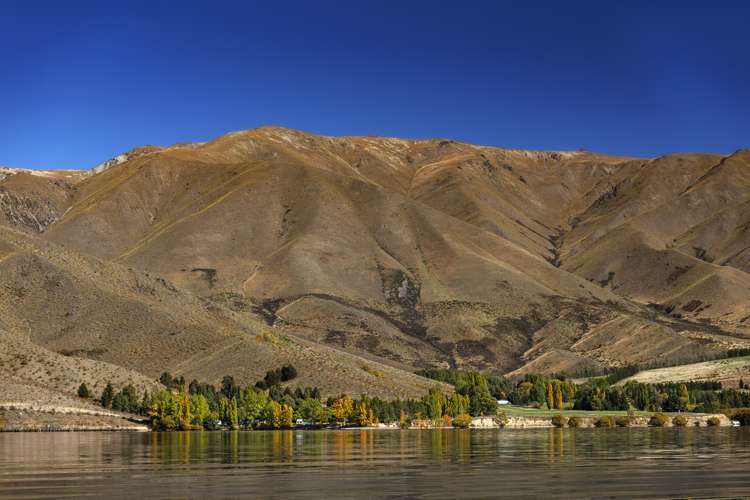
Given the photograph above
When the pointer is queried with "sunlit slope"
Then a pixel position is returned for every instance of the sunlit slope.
(65, 305)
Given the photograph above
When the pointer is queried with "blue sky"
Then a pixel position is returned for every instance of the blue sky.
(83, 81)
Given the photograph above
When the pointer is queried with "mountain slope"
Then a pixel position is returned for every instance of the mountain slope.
(399, 253)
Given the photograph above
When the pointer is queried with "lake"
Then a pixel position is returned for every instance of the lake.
(563, 463)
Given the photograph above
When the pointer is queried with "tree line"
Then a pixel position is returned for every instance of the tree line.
(268, 405)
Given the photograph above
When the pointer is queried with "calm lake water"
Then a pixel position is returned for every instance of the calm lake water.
(563, 463)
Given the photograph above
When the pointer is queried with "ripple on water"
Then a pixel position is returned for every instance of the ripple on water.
(561, 463)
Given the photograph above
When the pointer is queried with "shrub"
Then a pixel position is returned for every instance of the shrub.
(558, 421)
(679, 421)
(447, 421)
(605, 422)
(288, 372)
(658, 420)
(501, 419)
(83, 391)
(462, 421)
(372, 371)
(713, 421)
(574, 422)
(622, 421)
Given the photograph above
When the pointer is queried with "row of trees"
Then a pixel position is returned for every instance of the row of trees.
(202, 405)
(597, 394)
(531, 389)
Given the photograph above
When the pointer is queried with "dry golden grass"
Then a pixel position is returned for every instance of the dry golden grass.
(271, 246)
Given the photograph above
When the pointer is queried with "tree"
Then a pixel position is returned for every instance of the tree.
(286, 417)
(272, 378)
(313, 411)
(456, 404)
(251, 406)
(83, 391)
(435, 402)
(364, 415)
(288, 372)
(166, 379)
(145, 403)
(107, 395)
(272, 414)
(126, 399)
(550, 396)
(182, 411)
(164, 411)
(474, 385)
(342, 408)
(558, 397)
(233, 414)
(199, 410)
(684, 396)
(229, 388)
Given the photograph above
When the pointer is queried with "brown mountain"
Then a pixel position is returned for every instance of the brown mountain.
(362, 255)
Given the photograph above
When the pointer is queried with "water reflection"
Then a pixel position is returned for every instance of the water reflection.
(625, 462)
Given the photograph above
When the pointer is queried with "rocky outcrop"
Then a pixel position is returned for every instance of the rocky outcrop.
(27, 212)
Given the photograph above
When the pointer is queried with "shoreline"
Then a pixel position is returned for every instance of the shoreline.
(29, 418)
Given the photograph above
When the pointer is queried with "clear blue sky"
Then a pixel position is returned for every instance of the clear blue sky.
(81, 82)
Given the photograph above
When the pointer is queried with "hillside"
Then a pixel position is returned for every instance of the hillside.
(728, 371)
(367, 250)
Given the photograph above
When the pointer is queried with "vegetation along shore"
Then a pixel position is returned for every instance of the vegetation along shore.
(459, 399)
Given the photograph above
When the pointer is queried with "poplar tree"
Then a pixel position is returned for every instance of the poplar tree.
(550, 396)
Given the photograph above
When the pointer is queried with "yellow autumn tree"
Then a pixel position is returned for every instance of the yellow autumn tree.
(550, 396)
(286, 417)
(342, 408)
(558, 397)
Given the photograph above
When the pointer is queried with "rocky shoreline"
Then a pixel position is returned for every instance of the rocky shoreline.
(526, 422)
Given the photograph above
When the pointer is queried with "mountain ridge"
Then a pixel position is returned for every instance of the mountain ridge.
(415, 253)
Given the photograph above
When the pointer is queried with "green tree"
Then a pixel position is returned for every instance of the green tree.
(435, 403)
(83, 391)
(232, 415)
(457, 404)
(229, 387)
(126, 399)
(107, 395)
(164, 411)
(145, 403)
(199, 410)
(182, 410)
(313, 411)
(474, 385)
(251, 406)
(288, 372)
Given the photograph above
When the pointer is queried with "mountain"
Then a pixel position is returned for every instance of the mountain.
(362, 255)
